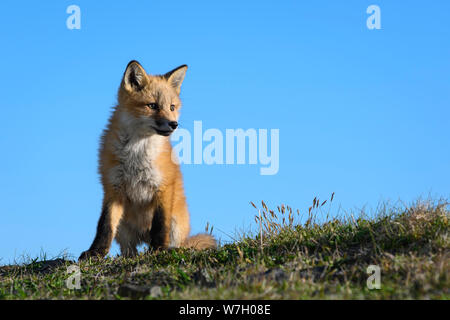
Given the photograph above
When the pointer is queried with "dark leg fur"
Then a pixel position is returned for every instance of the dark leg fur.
(104, 236)
(159, 234)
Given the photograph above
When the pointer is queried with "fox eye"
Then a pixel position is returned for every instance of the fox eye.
(153, 106)
(172, 107)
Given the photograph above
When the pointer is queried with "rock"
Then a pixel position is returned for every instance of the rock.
(203, 278)
(49, 266)
(277, 275)
(136, 292)
(156, 292)
(313, 273)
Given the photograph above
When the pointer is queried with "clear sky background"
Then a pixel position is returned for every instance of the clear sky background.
(362, 113)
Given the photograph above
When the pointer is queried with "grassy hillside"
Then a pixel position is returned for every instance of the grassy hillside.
(282, 260)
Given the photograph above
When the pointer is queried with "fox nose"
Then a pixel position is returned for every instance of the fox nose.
(173, 124)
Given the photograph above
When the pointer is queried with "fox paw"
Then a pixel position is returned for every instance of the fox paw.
(96, 254)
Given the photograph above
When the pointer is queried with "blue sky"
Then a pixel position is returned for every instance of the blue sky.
(362, 113)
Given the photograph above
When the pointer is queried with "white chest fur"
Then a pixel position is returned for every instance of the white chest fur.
(136, 175)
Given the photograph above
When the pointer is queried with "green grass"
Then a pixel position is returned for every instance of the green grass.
(283, 259)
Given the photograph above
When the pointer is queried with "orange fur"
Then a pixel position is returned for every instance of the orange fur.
(144, 199)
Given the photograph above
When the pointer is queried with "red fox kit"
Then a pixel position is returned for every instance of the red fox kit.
(143, 200)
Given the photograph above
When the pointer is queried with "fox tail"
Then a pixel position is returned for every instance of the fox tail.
(200, 242)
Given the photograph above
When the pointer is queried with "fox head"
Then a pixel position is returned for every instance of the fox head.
(153, 102)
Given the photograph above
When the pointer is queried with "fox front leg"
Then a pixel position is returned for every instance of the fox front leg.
(112, 212)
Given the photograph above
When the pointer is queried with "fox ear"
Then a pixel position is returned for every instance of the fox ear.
(176, 77)
(135, 77)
